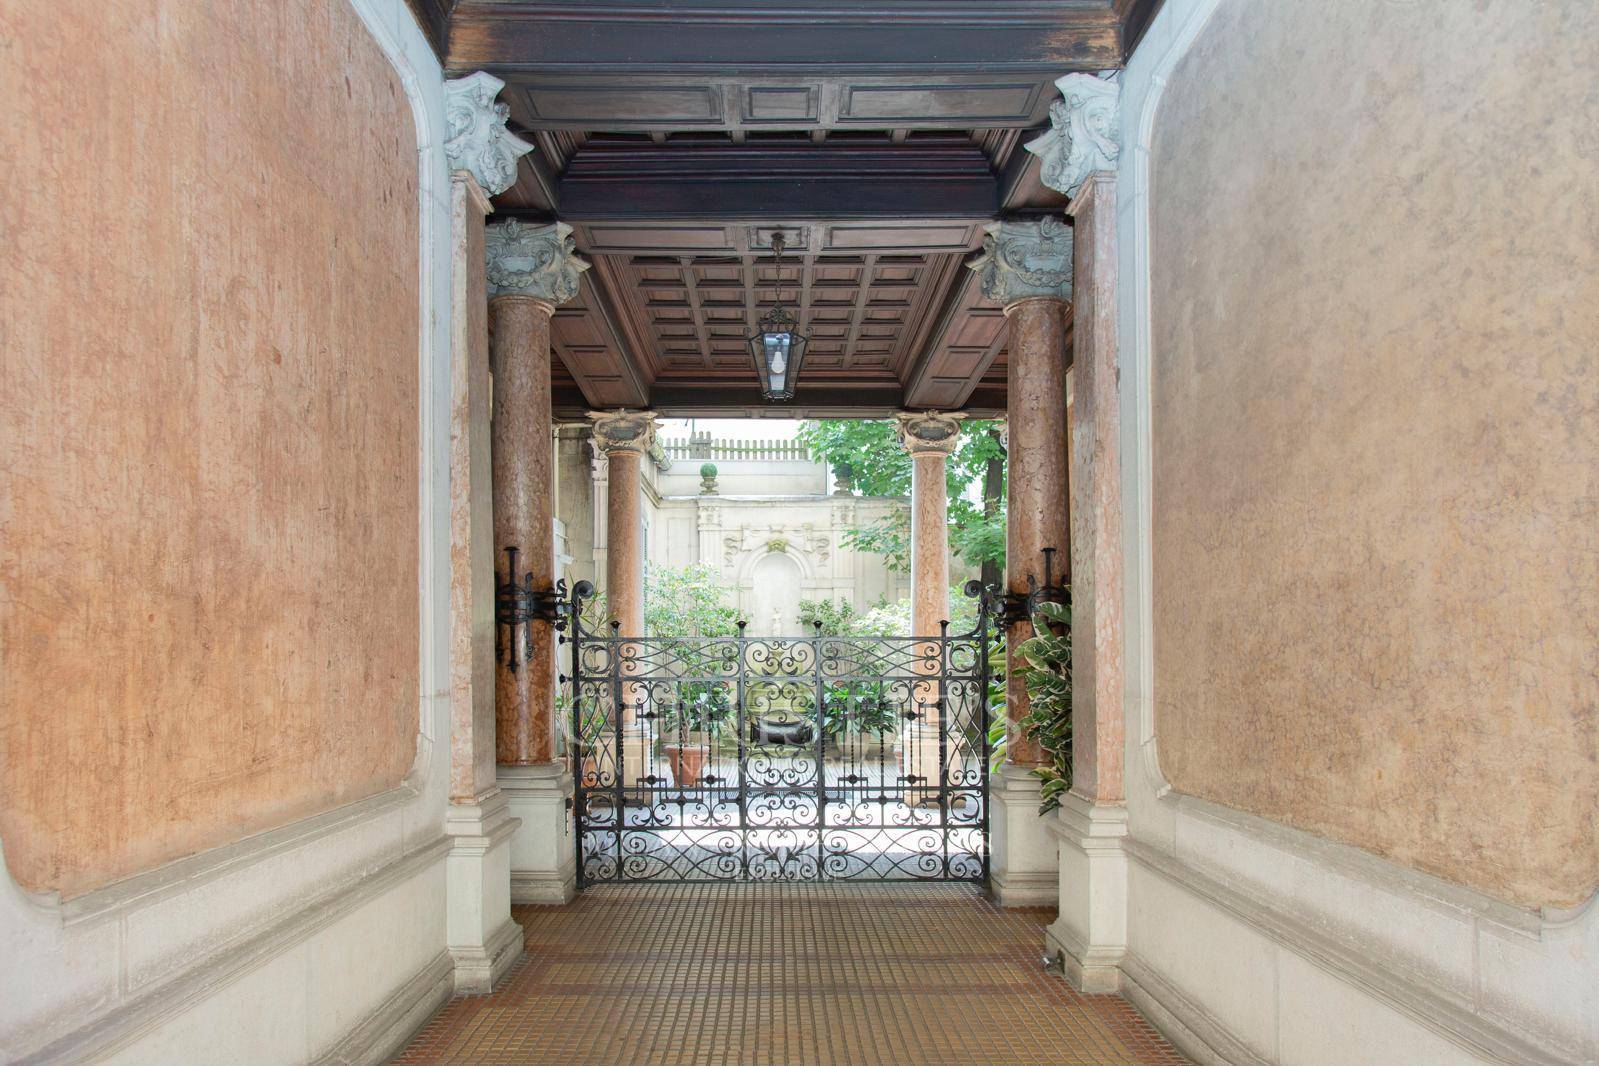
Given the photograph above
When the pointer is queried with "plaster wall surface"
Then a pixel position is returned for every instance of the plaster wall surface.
(1248, 939)
(323, 938)
(209, 497)
(1375, 417)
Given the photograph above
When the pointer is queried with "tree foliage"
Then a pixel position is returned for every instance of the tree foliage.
(879, 466)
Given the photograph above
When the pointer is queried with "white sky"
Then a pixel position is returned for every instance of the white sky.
(731, 428)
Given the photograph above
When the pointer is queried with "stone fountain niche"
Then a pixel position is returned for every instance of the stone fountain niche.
(774, 598)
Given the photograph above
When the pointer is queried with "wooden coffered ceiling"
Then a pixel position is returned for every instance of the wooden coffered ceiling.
(879, 136)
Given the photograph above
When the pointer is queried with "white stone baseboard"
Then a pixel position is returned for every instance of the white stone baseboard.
(479, 914)
(1089, 968)
(1405, 1014)
(1023, 889)
(538, 887)
(1023, 864)
(167, 1001)
(1090, 934)
(543, 863)
(1188, 1026)
(479, 969)
(389, 1028)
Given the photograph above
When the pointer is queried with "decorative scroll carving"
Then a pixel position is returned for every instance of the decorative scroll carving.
(929, 432)
(1023, 259)
(1085, 132)
(623, 431)
(478, 141)
(806, 539)
(537, 261)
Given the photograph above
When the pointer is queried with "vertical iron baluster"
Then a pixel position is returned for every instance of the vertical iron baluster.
(742, 727)
(984, 675)
(579, 792)
(943, 739)
(820, 740)
(618, 754)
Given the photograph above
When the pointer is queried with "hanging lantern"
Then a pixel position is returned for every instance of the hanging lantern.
(778, 346)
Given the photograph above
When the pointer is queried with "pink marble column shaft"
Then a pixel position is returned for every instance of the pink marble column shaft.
(929, 544)
(1098, 727)
(1037, 486)
(930, 438)
(523, 450)
(624, 560)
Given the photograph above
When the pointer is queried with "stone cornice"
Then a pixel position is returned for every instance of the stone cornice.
(536, 261)
(623, 432)
(1084, 134)
(929, 432)
(478, 141)
(1025, 259)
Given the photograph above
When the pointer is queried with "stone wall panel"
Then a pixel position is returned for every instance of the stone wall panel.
(208, 493)
(1375, 418)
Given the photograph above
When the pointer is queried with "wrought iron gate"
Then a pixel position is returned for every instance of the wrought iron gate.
(813, 758)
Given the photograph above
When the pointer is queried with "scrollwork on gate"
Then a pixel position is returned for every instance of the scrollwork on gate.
(816, 757)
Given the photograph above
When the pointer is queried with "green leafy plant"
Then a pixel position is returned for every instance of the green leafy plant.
(708, 471)
(683, 606)
(830, 618)
(1048, 677)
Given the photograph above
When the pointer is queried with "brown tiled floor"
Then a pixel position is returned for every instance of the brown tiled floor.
(785, 974)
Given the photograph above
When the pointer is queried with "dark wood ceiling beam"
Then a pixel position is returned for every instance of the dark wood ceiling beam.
(782, 37)
(756, 199)
(434, 18)
(1134, 17)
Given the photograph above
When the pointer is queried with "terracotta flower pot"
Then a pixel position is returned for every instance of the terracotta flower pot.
(687, 763)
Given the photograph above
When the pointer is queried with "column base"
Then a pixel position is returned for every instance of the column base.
(543, 866)
(1023, 867)
(484, 941)
(1090, 936)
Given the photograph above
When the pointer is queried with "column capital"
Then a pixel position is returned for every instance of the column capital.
(1027, 259)
(623, 431)
(536, 261)
(1084, 134)
(477, 141)
(929, 432)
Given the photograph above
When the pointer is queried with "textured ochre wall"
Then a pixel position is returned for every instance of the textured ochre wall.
(1375, 299)
(208, 427)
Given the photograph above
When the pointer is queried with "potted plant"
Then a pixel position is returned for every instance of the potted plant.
(843, 478)
(689, 727)
(707, 479)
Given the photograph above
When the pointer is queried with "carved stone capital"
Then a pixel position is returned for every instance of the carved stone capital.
(1084, 134)
(929, 432)
(1023, 259)
(478, 141)
(537, 261)
(623, 432)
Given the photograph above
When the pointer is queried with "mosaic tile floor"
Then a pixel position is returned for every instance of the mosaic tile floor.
(729, 975)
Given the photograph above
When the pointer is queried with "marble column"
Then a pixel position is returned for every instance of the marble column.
(623, 437)
(483, 939)
(930, 438)
(531, 270)
(1079, 156)
(1091, 931)
(1026, 268)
